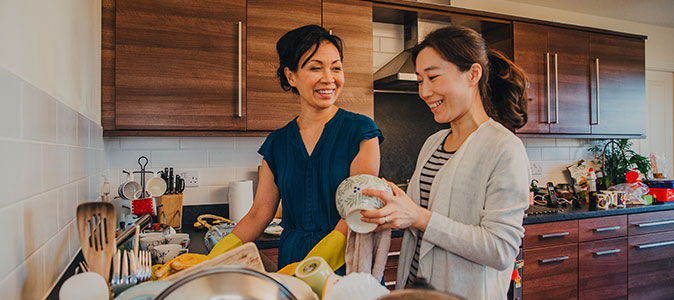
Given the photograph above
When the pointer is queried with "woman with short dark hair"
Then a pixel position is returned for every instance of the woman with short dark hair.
(465, 202)
(305, 161)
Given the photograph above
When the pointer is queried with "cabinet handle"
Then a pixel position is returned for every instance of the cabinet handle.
(547, 90)
(606, 229)
(395, 253)
(596, 69)
(658, 223)
(653, 245)
(556, 92)
(598, 253)
(239, 113)
(549, 260)
(551, 235)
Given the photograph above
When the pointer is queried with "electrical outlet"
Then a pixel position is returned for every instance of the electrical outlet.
(191, 178)
(536, 169)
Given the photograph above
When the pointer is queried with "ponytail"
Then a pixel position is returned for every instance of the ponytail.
(506, 100)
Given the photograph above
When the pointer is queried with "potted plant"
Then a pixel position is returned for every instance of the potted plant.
(617, 158)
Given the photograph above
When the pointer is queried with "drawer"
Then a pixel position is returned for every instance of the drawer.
(390, 277)
(550, 272)
(651, 266)
(549, 234)
(392, 260)
(602, 269)
(651, 222)
(602, 228)
(396, 244)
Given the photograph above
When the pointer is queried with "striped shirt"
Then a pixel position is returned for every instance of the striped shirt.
(428, 172)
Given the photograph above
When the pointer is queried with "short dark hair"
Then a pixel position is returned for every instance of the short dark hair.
(292, 45)
(503, 83)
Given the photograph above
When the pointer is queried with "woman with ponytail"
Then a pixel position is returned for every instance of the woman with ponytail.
(463, 210)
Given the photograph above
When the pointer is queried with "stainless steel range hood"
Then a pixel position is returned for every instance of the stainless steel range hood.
(399, 74)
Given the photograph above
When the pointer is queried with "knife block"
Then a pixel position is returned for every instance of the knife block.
(170, 210)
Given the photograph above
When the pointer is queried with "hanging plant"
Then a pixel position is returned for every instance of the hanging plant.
(617, 158)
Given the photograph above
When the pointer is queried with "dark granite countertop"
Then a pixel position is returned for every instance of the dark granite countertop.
(569, 213)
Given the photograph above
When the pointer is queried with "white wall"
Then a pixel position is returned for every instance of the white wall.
(219, 160)
(51, 142)
(55, 45)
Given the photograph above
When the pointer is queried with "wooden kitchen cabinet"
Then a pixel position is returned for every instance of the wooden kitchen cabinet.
(651, 255)
(550, 272)
(602, 269)
(618, 96)
(177, 65)
(556, 61)
(269, 107)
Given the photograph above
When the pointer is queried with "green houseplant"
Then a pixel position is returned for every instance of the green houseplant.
(617, 158)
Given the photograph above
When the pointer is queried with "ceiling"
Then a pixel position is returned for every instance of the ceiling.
(655, 12)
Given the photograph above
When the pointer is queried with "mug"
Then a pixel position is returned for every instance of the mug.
(128, 189)
(350, 200)
(150, 240)
(182, 239)
(163, 253)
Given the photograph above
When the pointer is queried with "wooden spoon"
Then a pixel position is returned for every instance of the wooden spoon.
(96, 228)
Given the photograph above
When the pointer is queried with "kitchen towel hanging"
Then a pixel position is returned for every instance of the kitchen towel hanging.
(240, 199)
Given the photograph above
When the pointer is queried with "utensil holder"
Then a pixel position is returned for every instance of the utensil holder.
(170, 209)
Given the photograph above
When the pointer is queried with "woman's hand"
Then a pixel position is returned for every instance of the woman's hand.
(399, 210)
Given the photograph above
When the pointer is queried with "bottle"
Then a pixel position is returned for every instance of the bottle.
(592, 189)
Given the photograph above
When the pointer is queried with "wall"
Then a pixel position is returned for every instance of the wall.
(52, 159)
(219, 160)
(50, 137)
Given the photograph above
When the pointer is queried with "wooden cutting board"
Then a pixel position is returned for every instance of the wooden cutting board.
(246, 256)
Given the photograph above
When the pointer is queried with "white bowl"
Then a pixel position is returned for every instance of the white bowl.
(88, 285)
(350, 200)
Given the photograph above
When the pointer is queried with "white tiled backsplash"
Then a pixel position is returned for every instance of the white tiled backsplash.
(52, 159)
(219, 161)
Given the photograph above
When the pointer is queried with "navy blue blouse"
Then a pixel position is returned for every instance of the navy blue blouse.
(307, 183)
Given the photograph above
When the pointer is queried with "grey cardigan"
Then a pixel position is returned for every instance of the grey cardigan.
(477, 201)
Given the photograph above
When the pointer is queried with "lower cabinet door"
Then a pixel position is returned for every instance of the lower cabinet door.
(651, 266)
(602, 269)
(551, 272)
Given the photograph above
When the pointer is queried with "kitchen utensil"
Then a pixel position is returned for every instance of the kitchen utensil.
(83, 266)
(144, 291)
(314, 271)
(357, 286)
(156, 186)
(170, 210)
(140, 207)
(84, 286)
(180, 184)
(300, 289)
(125, 268)
(136, 241)
(241, 284)
(171, 186)
(133, 268)
(246, 256)
(142, 162)
(117, 260)
(215, 232)
(350, 200)
(95, 225)
(127, 190)
(164, 253)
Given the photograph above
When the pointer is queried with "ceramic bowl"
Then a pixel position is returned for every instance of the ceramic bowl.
(356, 286)
(350, 200)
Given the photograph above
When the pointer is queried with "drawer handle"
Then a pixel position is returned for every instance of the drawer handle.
(606, 229)
(549, 260)
(658, 223)
(394, 253)
(653, 245)
(605, 252)
(390, 283)
(551, 235)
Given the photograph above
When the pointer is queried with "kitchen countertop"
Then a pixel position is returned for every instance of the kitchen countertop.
(569, 213)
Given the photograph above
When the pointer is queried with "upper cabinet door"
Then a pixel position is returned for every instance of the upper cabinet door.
(556, 62)
(351, 20)
(177, 64)
(571, 80)
(531, 53)
(269, 107)
(619, 107)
